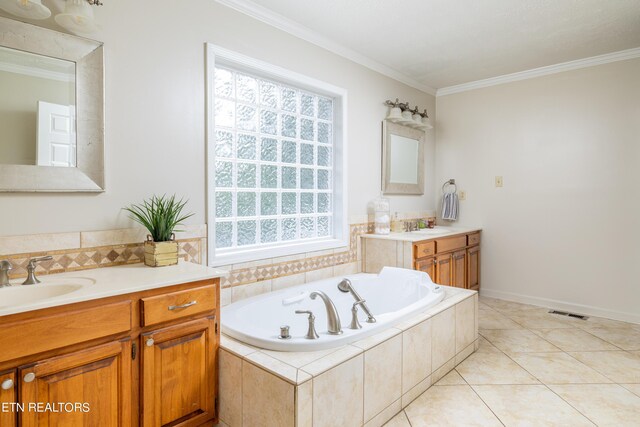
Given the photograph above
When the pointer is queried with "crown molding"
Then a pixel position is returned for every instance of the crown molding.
(542, 71)
(285, 24)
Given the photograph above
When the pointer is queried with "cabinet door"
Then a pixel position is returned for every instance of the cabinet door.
(459, 269)
(179, 374)
(428, 265)
(473, 268)
(94, 385)
(8, 411)
(444, 270)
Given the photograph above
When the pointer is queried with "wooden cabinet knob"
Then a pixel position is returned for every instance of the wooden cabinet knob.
(7, 384)
(29, 377)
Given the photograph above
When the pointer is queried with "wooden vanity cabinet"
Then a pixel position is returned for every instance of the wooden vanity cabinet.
(450, 261)
(179, 374)
(99, 377)
(8, 397)
(148, 358)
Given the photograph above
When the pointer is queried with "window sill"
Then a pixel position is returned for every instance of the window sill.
(257, 254)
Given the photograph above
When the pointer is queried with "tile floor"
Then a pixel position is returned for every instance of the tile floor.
(537, 369)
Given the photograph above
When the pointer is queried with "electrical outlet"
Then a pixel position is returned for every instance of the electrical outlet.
(498, 181)
(463, 195)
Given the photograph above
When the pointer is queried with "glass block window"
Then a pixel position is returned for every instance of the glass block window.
(273, 162)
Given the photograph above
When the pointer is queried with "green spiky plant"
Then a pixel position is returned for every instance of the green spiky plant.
(159, 215)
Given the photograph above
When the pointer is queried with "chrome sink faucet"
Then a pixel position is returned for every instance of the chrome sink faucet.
(333, 319)
(31, 270)
(347, 286)
(5, 267)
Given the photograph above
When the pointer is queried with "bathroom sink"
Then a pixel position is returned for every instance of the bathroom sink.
(18, 295)
(434, 231)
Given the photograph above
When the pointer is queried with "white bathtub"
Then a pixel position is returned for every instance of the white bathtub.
(394, 295)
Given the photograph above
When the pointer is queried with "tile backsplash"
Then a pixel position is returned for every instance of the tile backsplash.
(98, 249)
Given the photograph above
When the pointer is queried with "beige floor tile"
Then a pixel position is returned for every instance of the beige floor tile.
(625, 338)
(485, 346)
(491, 319)
(633, 388)
(601, 322)
(573, 340)
(493, 368)
(456, 405)
(399, 420)
(619, 366)
(530, 405)
(558, 368)
(504, 305)
(517, 341)
(452, 378)
(541, 319)
(604, 404)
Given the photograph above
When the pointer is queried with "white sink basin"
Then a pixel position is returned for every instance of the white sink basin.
(18, 295)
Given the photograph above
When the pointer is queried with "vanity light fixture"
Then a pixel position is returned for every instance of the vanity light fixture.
(31, 9)
(401, 113)
(77, 16)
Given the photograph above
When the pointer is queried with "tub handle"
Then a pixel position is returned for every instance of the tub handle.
(311, 332)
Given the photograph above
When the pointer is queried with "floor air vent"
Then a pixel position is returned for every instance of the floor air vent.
(564, 313)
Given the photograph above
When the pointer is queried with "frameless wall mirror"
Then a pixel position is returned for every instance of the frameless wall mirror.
(51, 110)
(402, 159)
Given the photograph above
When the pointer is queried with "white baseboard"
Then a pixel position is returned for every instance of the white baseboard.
(562, 305)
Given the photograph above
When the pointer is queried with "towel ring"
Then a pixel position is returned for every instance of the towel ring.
(451, 182)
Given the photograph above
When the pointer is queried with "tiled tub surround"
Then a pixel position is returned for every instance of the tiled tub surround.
(364, 383)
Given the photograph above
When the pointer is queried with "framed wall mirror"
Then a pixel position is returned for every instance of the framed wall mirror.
(51, 110)
(402, 159)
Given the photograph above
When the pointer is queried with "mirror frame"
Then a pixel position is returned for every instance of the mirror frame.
(388, 187)
(88, 55)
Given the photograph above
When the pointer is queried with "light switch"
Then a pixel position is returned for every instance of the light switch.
(498, 181)
(462, 195)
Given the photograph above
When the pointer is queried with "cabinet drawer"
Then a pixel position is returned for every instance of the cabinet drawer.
(45, 333)
(451, 244)
(425, 249)
(163, 308)
(473, 239)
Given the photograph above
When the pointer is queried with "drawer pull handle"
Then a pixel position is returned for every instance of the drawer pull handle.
(7, 384)
(29, 377)
(179, 307)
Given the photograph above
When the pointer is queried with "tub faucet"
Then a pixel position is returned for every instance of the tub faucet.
(5, 267)
(333, 319)
(347, 286)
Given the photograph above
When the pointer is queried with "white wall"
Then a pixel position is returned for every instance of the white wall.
(565, 226)
(155, 113)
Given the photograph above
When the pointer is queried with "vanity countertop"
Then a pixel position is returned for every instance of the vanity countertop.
(422, 235)
(98, 283)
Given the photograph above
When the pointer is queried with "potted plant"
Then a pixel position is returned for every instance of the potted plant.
(160, 216)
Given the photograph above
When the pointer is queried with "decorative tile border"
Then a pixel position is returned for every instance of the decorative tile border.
(96, 257)
(244, 276)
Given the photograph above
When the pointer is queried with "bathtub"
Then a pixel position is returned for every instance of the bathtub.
(393, 296)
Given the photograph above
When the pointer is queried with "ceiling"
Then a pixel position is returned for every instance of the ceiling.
(440, 43)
